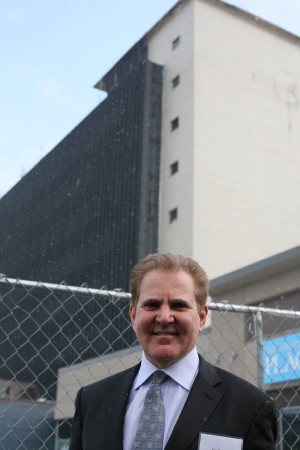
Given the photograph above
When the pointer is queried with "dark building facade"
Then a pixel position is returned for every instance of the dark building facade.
(89, 210)
(84, 214)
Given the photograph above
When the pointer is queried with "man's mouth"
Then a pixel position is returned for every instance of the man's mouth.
(164, 333)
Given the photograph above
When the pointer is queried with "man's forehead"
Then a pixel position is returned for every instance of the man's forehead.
(172, 273)
(174, 284)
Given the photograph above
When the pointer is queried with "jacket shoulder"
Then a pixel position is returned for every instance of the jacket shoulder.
(232, 385)
(111, 381)
(240, 383)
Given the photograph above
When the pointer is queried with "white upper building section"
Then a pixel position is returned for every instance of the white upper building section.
(230, 163)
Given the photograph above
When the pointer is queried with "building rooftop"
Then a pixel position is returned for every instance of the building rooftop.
(226, 7)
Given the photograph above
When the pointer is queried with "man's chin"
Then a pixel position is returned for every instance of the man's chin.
(163, 358)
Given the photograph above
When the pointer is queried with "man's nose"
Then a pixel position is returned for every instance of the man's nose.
(165, 315)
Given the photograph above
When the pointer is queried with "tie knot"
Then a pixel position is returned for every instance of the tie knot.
(158, 377)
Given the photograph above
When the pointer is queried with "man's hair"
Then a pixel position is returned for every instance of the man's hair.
(169, 263)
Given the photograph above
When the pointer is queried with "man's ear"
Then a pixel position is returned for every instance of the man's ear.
(203, 316)
(132, 314)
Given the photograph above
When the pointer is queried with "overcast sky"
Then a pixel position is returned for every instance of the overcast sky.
(53, 53)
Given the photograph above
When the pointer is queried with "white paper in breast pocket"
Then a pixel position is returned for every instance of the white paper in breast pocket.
(217, 442)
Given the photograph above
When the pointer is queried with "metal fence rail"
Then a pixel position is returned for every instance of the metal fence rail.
(56, 338)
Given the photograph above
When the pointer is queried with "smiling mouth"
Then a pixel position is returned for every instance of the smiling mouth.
(164, 333)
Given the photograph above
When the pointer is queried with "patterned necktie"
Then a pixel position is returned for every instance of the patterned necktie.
(151, 428)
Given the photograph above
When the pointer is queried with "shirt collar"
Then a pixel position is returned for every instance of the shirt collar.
(183, 371)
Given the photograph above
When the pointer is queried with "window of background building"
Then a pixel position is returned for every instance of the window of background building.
(173, 214)
(174, 123)
(176, 43)
(174, 167)
(175, 81)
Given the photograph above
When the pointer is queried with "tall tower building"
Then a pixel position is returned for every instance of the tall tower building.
(230, 146)
(195, 150)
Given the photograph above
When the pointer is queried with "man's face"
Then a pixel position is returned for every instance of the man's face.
(166, 319)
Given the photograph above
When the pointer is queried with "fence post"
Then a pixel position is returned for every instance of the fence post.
(259, 348)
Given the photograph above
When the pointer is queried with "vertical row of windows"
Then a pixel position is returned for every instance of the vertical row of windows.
(174, 167)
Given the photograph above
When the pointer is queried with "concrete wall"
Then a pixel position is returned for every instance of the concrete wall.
(247, 142)
(238, 144)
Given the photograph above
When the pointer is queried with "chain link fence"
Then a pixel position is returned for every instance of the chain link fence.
(56, 338)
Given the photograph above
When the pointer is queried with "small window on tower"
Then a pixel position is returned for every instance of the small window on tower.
(175, 81)
(174, 123)
(176, 43)
(173, 214)
(174, 167)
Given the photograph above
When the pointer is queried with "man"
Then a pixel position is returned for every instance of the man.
(197, 405)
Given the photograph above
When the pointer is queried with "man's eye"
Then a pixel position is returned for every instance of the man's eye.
(151, 305)
(179, 305)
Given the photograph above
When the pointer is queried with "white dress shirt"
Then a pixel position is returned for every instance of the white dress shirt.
(175, 391)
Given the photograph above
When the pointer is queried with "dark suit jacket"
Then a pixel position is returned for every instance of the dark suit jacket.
(218, 403)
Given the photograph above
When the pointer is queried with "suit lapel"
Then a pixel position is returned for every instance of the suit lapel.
(200, 404)
(120, 399)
